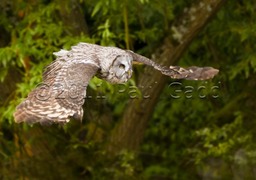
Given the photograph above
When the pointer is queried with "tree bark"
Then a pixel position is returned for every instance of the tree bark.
(72, 16)
(129, 132)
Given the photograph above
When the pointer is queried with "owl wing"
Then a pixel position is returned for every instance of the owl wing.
(176, 72)
(60, 96)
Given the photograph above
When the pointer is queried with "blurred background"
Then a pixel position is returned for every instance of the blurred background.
(151, 127)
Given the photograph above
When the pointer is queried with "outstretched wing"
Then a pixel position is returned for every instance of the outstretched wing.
(60, 96)
(176, 72)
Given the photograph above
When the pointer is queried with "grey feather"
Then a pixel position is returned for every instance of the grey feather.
(60, 96)
(176, 72)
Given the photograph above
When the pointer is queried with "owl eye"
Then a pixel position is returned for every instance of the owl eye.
(121, 66)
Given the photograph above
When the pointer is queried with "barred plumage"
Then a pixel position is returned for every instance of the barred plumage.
(60, 96)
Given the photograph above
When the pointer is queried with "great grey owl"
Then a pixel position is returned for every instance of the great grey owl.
(61, 95)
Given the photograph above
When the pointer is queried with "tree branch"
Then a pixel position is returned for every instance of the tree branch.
(129, 132)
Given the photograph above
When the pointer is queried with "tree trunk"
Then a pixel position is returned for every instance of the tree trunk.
(72, 16)
(128, 133)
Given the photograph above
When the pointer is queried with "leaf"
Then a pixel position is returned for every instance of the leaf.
(97, 8)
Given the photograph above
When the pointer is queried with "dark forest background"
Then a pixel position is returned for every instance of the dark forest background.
(152, 127)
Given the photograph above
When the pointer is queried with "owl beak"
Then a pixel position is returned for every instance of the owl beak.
(129, 72)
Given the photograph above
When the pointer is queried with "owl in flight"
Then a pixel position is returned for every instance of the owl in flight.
(61, 95)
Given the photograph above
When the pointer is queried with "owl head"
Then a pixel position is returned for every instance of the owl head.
(120, 70)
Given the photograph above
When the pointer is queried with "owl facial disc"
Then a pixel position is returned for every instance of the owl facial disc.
(121, 69)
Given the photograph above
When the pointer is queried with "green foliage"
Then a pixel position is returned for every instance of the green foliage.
(195, 125)
(198, 132)
(110, 20)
